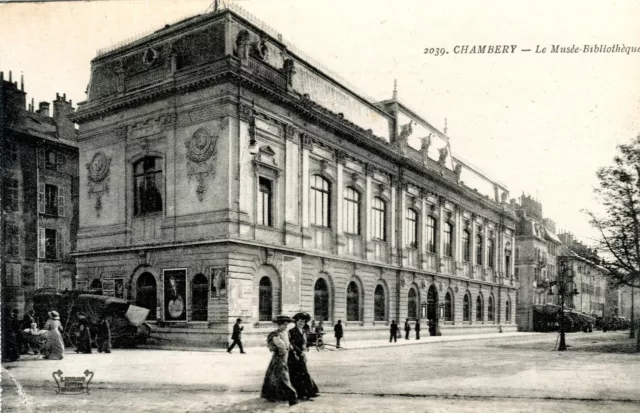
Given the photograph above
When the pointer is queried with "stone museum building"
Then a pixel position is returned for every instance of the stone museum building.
(224, 174)
(38, 195)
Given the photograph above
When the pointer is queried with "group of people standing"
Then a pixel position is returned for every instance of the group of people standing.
(22, 337)
(287, 377)
(394, 330)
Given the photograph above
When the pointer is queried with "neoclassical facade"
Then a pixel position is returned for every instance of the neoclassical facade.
(224, 175)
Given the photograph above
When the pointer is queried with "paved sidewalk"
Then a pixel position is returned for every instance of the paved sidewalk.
(364, 344)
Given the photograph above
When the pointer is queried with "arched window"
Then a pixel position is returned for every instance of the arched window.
(431, 234)
(448, 240)
(351, 209)
(411, 229)
(412, 310)
(146, 294)
(265, 300)
(491, 251)
(96, 287)
(321, 300)
(479, 309)
(199, 298)
(353, 302)
(320, 214)
(466, 307)
(479, 249)
(507, 311)
(379, 219)
(490, 310)
(148, 185)
(466, 246)
(448, 307)
(379, 304)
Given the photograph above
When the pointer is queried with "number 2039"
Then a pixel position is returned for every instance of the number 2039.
(435, 51)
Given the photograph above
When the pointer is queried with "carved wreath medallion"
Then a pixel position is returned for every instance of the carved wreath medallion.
(98, 173)
(201, 152)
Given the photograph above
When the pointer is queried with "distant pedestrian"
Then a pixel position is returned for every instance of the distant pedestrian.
(83, 344)
(393, 332)
(338, 333)
(407, 329)
(417, 328)
(10, 349)
(104, 336)
(236, 336)
(432, 327)
(320, 328)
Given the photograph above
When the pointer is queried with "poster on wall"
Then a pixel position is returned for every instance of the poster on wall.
(119, 287)
(218, 281)
(175, 305)
(291, 272)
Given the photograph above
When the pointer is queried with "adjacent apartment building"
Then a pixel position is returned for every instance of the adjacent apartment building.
(227, 175)
(38, 194)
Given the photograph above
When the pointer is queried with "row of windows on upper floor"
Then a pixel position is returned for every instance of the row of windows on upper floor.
(148, 199)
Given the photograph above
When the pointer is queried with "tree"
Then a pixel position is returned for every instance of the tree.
(619, 224)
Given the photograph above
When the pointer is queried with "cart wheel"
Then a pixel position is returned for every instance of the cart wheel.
(319, 344)
(72, 334)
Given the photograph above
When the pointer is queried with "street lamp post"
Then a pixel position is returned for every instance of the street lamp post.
(564, 285)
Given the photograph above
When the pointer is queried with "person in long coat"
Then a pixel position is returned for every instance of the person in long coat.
(417, 328)
(299, 374)
(407, 329)
(104, 336)
(277, 383)
(10, 338)
(339, 333)
(54, 347)
(83, 344)
(393, 332)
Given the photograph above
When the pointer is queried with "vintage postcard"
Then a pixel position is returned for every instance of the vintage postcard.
(335, 206)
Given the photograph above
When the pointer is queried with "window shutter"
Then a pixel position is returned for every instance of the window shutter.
(59, 247)
(60, 160)
(41, 243)
(63, 243)
(41, 197)
(60, 201)
(41, 158)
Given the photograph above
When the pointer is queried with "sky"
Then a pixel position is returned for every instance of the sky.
(540, 123)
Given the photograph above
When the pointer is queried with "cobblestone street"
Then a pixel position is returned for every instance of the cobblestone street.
(517, 372)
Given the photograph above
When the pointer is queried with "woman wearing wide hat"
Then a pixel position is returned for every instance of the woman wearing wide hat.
(277, 383)
(300, 378)
(54, 348)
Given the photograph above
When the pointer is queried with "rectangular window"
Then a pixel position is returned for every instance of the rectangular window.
(320, 202)
(149, 186)
(10, 194)
(265, 202)
(14, 274)
(431, 235)
(50, 243)
(351, 211)
(411, 229)
(448, 240)
(378, 218)
(13, 240)
(12, 149)
(466, 246)
(51, 200)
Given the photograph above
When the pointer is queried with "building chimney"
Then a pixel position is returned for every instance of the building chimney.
(61, 110)
(43, 108)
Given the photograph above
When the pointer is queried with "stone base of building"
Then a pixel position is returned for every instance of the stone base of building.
(218, 337)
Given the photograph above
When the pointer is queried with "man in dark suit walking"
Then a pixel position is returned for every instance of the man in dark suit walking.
(236, 337)
(417, 328)
(393, 332)
(338, 332)
(407, 329)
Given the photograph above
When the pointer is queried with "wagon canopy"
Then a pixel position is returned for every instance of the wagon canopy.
(94, 307)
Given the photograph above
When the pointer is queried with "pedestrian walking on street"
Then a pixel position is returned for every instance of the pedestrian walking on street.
(393, 331)
(10, 348)
(54, 347)
(83, 344)
(338, 333)
(407, 329)
(104, 336)
(236, 336)
(277, 383)
(298, 372)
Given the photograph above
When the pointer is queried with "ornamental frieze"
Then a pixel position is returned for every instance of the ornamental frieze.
(201, 156)
(98, 170)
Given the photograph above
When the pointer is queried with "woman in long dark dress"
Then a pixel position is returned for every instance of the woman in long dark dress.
(300, 378)
(104, 336)
(84, 338)
(277, 384)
